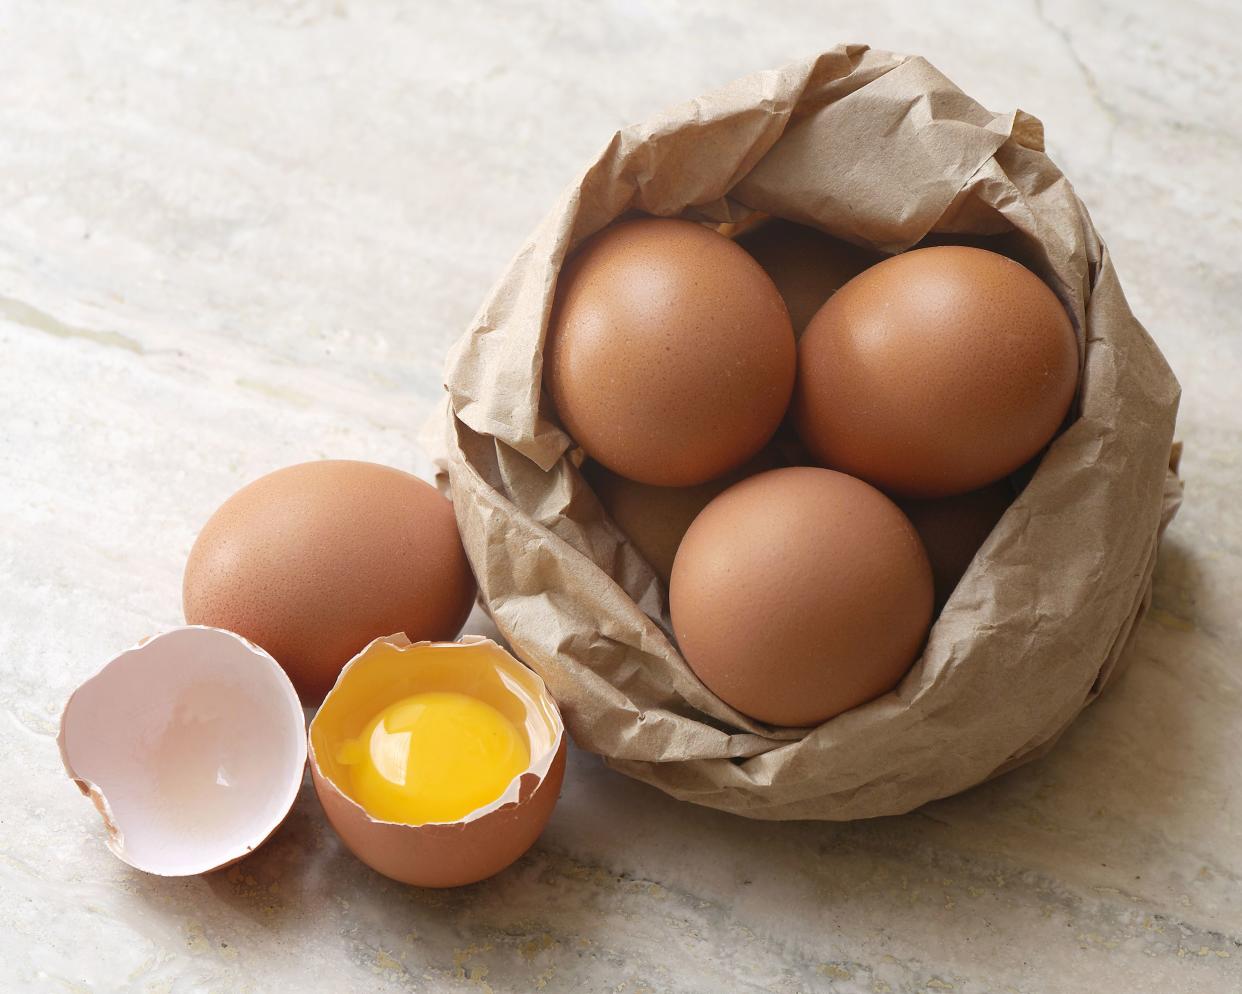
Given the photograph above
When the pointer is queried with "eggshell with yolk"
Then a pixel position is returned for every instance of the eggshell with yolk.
(484, 842)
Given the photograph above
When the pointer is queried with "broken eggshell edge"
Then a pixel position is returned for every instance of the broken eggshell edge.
(482, 843)
(97, 795)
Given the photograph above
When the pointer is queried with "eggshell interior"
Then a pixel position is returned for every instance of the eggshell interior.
(192, 745)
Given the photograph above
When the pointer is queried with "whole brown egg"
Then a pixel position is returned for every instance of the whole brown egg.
(800, 593)
(654, 519)
(806, 265)
(935, 372)
(670, 357)
(954, 528)
(314, 561)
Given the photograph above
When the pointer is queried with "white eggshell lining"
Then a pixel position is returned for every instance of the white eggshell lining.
(192, 746)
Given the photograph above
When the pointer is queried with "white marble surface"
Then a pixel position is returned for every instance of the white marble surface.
(236, 235)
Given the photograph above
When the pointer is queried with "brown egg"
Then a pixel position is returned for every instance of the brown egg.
(935, 372)
(954, 528)
(314, 561)
(670, 357)
(800, 593)
(655, 518)
(806, 265)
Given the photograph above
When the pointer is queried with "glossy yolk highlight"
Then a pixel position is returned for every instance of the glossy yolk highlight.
(433, 757)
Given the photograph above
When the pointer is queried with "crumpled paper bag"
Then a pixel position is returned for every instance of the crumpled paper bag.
(879, 149)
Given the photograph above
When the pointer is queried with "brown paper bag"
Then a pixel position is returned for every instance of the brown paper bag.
(882, 150)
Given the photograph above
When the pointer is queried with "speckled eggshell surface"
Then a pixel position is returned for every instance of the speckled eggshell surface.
(314, 561)
(670, 356)
(800, 593)
(935, 372)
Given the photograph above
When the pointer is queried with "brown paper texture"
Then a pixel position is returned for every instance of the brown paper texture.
(882, 150)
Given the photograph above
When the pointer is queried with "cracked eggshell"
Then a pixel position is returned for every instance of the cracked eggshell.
(192, 746)
(488, 839)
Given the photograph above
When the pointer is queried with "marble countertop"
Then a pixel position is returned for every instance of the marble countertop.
(237, 235)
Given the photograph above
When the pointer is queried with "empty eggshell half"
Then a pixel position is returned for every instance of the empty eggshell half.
(488, 839)
(192, 746)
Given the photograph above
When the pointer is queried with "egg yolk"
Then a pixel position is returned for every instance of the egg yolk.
(433, 757)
